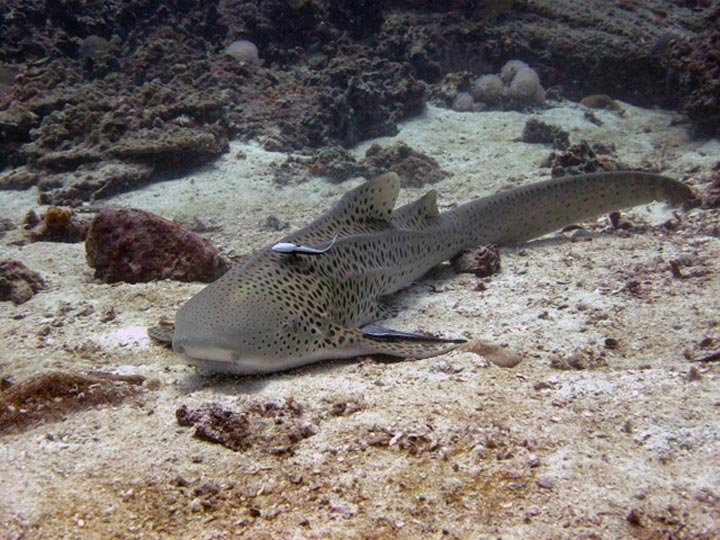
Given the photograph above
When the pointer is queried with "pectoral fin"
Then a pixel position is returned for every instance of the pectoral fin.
(380, 340)
(380, 332)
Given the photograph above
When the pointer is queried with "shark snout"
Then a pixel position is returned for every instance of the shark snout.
(208, 355)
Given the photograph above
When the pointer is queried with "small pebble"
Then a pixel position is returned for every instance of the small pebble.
(693, 374)
(634, 516)
(496, 354)
(611, 343)
(705, 342)
(545, 482)
(152, 384)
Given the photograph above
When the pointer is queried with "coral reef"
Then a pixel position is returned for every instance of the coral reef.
(92, 181)
(243, 51)
(362, 98)
(271, 427)
(695, 65)
(524, 86)
(18, 179)
(149, 86)
(517, 87)
(464, 102)
(336, 164)
(50, 397)
(17, 282)
(125, 244)
(59, 225)
(361, 18)
(414, 168)
(488, 89)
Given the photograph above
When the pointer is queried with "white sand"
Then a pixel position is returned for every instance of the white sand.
(522, 453)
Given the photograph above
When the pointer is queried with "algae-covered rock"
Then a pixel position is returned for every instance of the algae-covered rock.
(126, 244)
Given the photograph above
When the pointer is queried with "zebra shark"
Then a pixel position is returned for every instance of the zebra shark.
(314, 294)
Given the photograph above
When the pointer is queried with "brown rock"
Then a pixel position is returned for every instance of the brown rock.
(17, 282)
(414, 168)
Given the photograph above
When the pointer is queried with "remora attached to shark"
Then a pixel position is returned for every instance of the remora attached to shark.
(314, 295)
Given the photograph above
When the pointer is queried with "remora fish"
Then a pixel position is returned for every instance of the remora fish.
(310, 296)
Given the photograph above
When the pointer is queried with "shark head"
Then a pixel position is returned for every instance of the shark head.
(256, 321)
(253, 322)
(275, 333)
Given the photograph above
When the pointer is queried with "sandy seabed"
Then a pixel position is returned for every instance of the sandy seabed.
(625, 444)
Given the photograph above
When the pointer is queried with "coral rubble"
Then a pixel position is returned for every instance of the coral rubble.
(536, 131)
(272, 427)
(483, 261)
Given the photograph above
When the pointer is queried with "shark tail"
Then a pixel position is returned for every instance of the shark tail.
(517, 215)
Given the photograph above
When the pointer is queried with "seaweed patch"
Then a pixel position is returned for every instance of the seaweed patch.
(51, 397)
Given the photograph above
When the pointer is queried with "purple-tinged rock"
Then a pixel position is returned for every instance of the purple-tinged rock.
(126, 244)
(483, 261)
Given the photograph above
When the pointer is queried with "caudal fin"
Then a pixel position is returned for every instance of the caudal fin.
(517, 215)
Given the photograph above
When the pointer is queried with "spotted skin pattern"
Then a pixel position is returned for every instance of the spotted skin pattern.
(277, 311)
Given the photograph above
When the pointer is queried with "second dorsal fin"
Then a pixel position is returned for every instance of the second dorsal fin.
(417, 213)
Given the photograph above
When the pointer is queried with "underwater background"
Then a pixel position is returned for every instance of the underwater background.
(147, 146)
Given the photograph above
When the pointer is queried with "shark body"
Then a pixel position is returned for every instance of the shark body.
(316, 294)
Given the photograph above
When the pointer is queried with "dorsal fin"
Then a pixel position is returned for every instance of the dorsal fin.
(360, 210)
(375, 199)
(416, 214)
